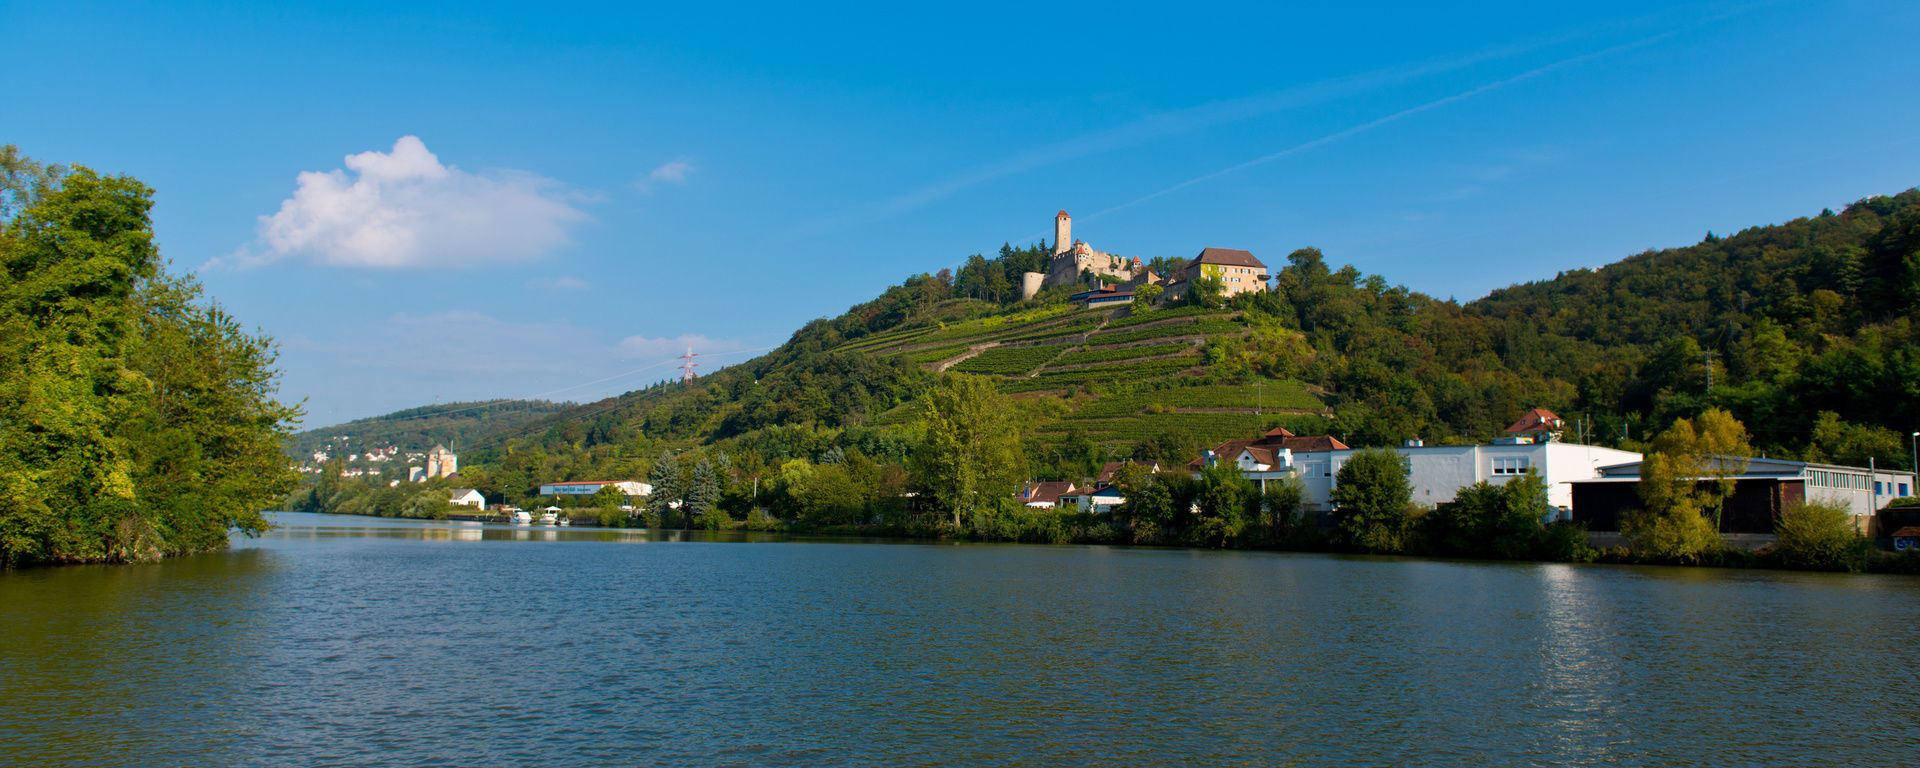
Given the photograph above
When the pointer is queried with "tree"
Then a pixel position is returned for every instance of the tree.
(1281, 502)
(1205, 291)
(1225, 494)
(1145, 295)
(136, 422)
(24, 181)
(969, 455)
(1371, 494)
(666, 479)
(1148, 508)
(608, 501)
(1835, 441)
(1488, 520)
(1685, 481)
(703, 489)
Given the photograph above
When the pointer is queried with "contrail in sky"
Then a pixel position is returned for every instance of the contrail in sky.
(1411, 111)
(1166, 124)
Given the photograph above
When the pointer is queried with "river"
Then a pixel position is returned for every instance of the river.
(351, 641)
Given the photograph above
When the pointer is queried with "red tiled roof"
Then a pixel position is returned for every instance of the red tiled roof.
(1049, 491)
(1265, 447)
(1278, 432)
(1314, 444)
(1536, 420)
(1063, 215)
(1231, 257)
(1107, 470)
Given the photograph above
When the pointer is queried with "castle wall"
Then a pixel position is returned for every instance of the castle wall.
(1030, 284)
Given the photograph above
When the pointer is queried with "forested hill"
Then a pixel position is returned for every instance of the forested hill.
(1804, 330)
(1813, 315)
(452, 424)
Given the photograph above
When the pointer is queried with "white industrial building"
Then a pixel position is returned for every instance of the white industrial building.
(1436, 472)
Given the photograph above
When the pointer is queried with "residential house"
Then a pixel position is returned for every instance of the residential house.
(1046, 495)
(467, 497)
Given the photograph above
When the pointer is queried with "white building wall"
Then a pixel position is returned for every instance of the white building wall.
(1852, 487)
(1438, 472)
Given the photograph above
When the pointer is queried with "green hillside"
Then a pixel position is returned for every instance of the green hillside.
(1806, 329)
(417, 429)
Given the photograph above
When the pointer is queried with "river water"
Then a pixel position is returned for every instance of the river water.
(349, 641)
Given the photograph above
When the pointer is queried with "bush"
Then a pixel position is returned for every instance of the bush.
(1565, 541)
(1821, 536)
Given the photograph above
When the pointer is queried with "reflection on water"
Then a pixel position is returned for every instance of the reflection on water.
(350, 641)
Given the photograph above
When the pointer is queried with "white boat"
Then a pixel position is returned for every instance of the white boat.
(520, 517)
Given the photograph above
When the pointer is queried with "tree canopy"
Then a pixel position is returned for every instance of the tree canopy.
(136, 420)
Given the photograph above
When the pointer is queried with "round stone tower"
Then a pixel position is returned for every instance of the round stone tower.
(1062, 232)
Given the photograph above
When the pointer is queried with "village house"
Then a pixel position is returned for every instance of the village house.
(1046, 495)
(467, 497)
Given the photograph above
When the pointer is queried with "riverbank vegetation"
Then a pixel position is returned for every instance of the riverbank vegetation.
(1799, 331)
(137, 419)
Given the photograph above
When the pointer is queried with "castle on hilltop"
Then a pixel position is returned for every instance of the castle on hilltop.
(1114, 278)
(1074, 261)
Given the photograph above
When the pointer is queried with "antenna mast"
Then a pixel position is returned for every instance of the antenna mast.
(687, 365)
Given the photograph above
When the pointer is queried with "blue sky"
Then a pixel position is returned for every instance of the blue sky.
(552, 200)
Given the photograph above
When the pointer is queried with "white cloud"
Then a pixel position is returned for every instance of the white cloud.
(675, 172)
(671, 172)
(562, 283)
(648, 348)
(405, 209)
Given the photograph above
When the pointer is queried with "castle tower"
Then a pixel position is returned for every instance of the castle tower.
(442, 462)
(1062, 232)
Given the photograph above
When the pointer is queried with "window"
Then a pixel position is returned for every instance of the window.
(1510, 466)
(1903, 489)
(1876, 487)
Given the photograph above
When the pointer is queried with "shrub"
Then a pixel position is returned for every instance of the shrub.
(1820, 535)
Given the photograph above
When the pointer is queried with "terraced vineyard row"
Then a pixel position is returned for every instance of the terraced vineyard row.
(1111, 354)
(1274, 394)
(1099, 374)
(937, 354)
(1073, 328)
(1157, 315)
(1206, 326)
(983, 329)
(1203, 429)
(1008, 361)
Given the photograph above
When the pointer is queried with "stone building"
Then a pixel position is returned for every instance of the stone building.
(1074, 260)
(442, 462)
(1238, 271)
